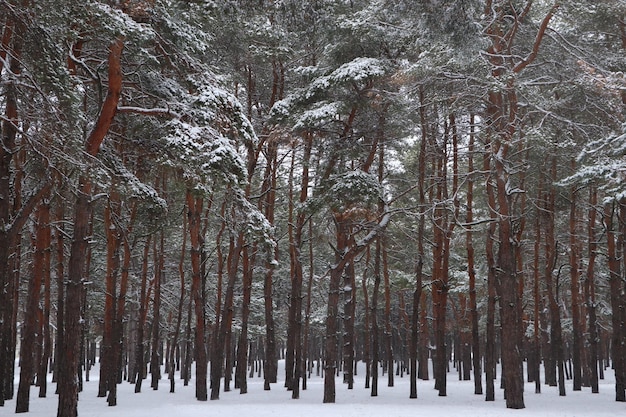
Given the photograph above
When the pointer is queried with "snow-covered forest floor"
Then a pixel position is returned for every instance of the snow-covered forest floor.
(391, 402)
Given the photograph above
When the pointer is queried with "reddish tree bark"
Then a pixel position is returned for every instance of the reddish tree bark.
(617, 302)
(14, 213)
(417, 292)
(575, 289)
(159, 270)
(194, 210)
(375, 331)
(471, 270)
(367, 355)
(114, 240)
(47, 336)
(68, 381)
(32, 324)
(490, 354)
(502, 120)
(139, 371)
(225, 325)
(589, 290)
(179, 314)
(307, 318)
(537, 300)
(551, 253)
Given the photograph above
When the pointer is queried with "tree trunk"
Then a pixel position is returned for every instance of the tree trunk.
(388, 330)
(114, 241)
(331, 348)
(502, 120)
(60, 275)
(471, 270)
(14, 212)
(617, 303)
(349, 310)
(367, 320)
(307, 320)
(32, 325)
(551, 252)
(68, 381)
(621, 255)
(375, 332)
(155, 354)
(179, 314)
(143, 312)
(419, 333)
(224, 331)
(589, 290)
(194, 211)
(46, 270)
(242, 345)
(537, 300)
(118, 329)
(68, 374)
(575, 290)
(490, 345)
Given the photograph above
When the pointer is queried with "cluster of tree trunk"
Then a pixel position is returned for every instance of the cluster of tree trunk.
(487, 260)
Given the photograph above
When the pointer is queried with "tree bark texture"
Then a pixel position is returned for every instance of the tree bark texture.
(68, 382)
(612, 210)
(194, 211)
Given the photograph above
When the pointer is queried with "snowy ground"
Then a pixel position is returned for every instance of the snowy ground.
(391, 402)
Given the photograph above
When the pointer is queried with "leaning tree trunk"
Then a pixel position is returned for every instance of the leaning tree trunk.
(68, 380)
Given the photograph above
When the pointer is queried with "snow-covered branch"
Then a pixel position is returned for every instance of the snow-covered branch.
(157, 111)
